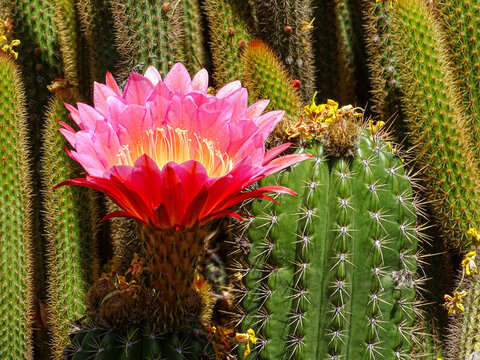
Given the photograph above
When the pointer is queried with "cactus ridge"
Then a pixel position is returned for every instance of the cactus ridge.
(16, 242)
(71, 223)
(354, 218)
(148, 33)
(438, 129)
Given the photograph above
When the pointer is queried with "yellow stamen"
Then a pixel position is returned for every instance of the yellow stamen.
(177, 145)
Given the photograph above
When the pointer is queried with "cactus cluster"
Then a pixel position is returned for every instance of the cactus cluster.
(337, 271)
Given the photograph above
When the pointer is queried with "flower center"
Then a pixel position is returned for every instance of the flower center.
(177, 145)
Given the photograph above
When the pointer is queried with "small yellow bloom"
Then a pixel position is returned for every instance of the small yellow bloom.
(475, 235)
(8, 48)
(307, 27)
(469, 263)
(246, 339)
(454, 304)
(322, 112)
(375, 128)
(391, 3)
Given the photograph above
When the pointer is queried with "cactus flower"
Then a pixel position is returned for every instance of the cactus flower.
(171, 155)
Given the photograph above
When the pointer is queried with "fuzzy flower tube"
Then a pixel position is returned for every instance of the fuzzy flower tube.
(174, 158)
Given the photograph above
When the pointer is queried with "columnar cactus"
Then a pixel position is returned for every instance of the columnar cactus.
(331, 273)
(71, 220)
(435, 119)
(16, 243)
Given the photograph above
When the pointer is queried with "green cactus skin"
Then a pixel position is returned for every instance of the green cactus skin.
(435, 119)
(463, 332)
(148, 33)
(71, 44)
(265, 78)
(385, 83)
(330, 272)
(139, 342)
(196, 56)
(462, 20)
(71, 221)
(230, 28)
(16, 277)
(292, 44)
(96, 20)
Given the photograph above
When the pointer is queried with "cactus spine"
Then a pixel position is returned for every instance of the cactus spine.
(331, 272)
(16, 277)
(71, 218)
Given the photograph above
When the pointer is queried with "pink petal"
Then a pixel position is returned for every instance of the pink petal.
(74, 115)
(255, 110)
(284, 162)
(178, 79)
(228, 89)
(272, 153)
(137, 90)
(100, 94)
(153, 75)
(268, 121)
(89, 116)
(239, 101)
(112, 84)
(200, 81)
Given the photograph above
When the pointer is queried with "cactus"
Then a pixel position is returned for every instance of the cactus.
(71, 218)
(139, 342)
(284, 26)
(148, 33)
(265, 78)
(331, 272)
(461, 18)
(230, 30)
(16, 294)
(71, 44)
(96, 21)
(435, 119)
(194, 44)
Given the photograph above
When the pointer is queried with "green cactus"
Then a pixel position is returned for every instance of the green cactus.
(196, 56)
(284, 26)
(71, 220)
(148, 33)
(331, 272)
(230, 30)
(96, 21)
(461, 18)
(71, 44)
(16, 268)
(435, 119)
(139, 342)
(265, 78)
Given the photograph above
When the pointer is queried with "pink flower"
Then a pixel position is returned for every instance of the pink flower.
(169, 154)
